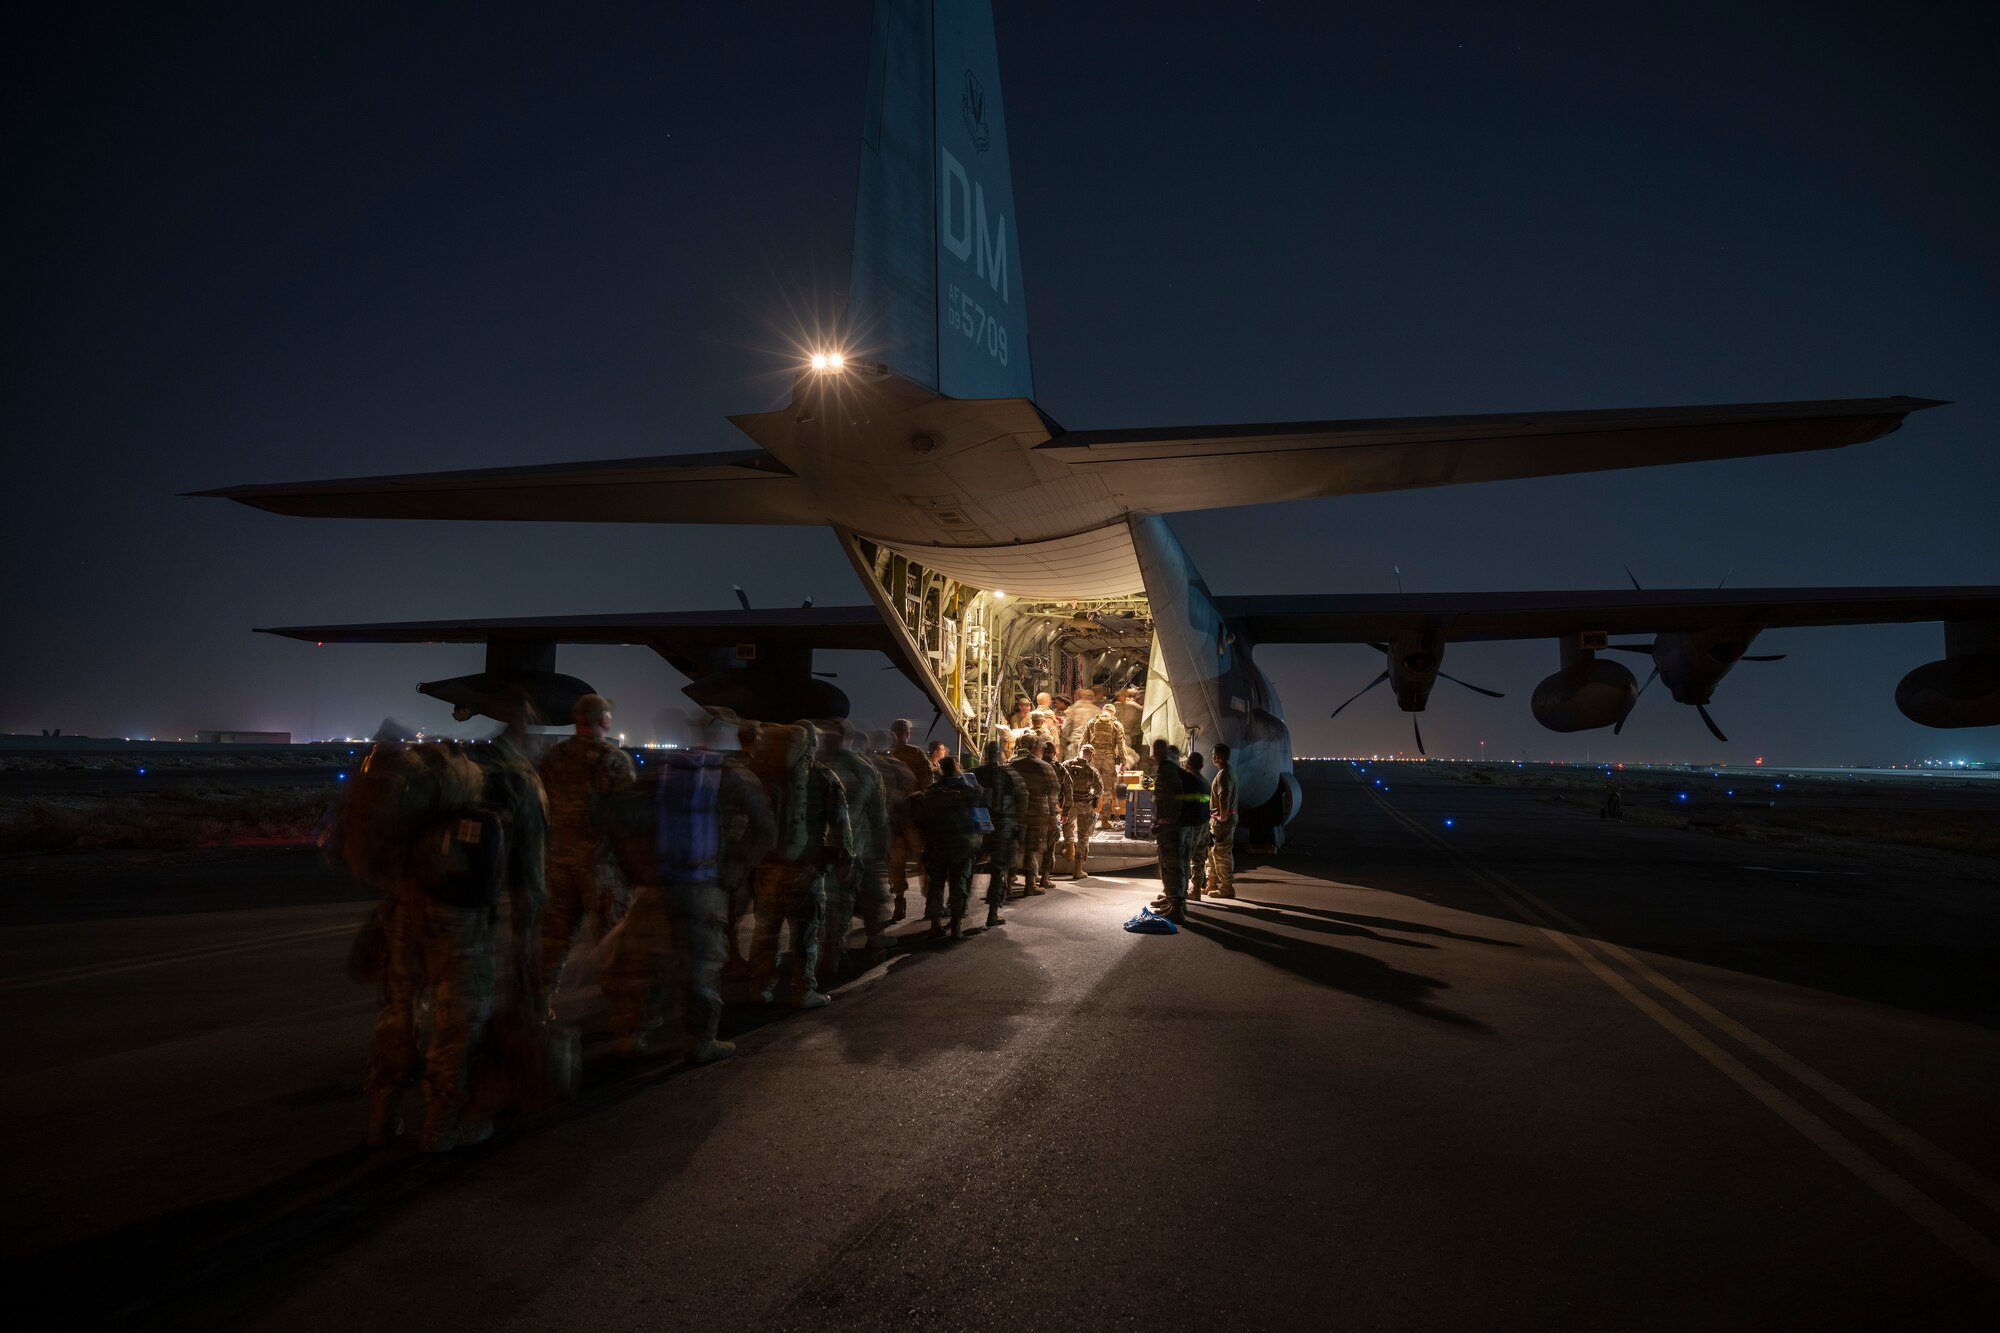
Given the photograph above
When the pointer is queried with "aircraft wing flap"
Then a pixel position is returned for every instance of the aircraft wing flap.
(1169, 469)
(1461, 617)
(734, 486)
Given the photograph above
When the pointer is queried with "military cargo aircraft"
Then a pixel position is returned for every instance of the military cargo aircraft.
(1004, 554)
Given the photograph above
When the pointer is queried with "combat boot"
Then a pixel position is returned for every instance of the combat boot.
(902, 909)
(957, 928)
(812, 999)
(1035, 891)
(993, 917)
(709, 1050)
(384, 1124)
(446, 1128)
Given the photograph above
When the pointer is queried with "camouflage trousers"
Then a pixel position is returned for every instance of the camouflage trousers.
(950, 885)
(906, 853)
(1174, 843)
(1002, 850)
(671, 937)
(789, 894)
(448, 951)
(578, 889)
(1197, 859)
(861, 890)
(1222, 859)
(1076, 835)
(1037, 851)
(1107, 773)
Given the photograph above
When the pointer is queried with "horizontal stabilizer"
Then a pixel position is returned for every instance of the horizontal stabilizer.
(736, 486)
(1464, 616)
(1170, 469)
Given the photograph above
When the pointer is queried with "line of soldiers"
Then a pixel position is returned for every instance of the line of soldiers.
(1194, 827)
(800, 827)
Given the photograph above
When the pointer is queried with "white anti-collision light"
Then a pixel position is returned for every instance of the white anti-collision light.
(819, 360)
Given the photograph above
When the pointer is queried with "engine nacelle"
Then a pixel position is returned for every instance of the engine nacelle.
(1692, 663)
(1413, 669)
(768, 696)
(1964, 689)
(1589, 692)
(515, 695)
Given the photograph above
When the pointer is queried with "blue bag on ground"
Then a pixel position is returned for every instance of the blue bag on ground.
(1149, 922)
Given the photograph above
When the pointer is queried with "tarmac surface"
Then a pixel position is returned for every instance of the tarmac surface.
(1528, 1069)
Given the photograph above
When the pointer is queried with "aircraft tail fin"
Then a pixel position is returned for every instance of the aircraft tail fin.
(936, 288)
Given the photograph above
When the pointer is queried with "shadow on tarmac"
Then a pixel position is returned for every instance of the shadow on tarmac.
(1284, 910)
(1324, 965)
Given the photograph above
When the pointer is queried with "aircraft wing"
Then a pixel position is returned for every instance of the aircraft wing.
(1460, 617)
(735, 486)
(683, 638)
(1170, 469)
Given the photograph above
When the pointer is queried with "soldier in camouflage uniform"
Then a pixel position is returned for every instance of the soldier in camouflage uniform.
(1086, 788)
(1222, 825)
(861, 887)
(1065, 797)
(943, 813)
(1107, 741)
(1006, 796)
(898, 786)
(1170, 780)
(583, 877)
(1040, 813)
(810, 810)
(1077, 720)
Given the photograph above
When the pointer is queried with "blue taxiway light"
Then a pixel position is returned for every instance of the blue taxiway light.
(341, 776)
(1730, 792)
(1683, 796)
(1447, 823)
(142, 772)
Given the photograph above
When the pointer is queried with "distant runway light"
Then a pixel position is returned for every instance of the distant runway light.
(1447, 823)
(341, 776)
(1683, 796)
(142, 772)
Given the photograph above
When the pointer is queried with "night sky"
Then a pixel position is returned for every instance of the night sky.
(278, 242)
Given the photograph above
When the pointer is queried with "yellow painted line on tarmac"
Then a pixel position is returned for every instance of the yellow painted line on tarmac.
(1955, 1234)
(57, 976)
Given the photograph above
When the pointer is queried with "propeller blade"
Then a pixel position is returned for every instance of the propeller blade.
(741, 596)
(1635, 579)
(1476, 689)
(1713, 730)
(1420, 736)
(1382, 648)
(1645, 648)
(1764, 657)
(1635, 702)
(1358, 693)
(827, 675)
(806, 605)
(1725, 576)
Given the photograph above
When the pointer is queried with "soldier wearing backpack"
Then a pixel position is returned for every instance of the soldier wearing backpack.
(412, 825)
(1085, 788)
(1006, 801)
(809, 809)
(952, 816)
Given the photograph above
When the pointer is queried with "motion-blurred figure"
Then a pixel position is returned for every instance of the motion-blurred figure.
(747, 834)
(1194, 824)
(1040, 813)
(583, 876)
(899, 784)
(951, 834)
(412, 824)
(810, 811)
(668, 833)
(861, 886)
(1169, 781)
(1222, 826)
(1085, 789)
(1006, 796)
(1129, 715)
(1077, 720)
